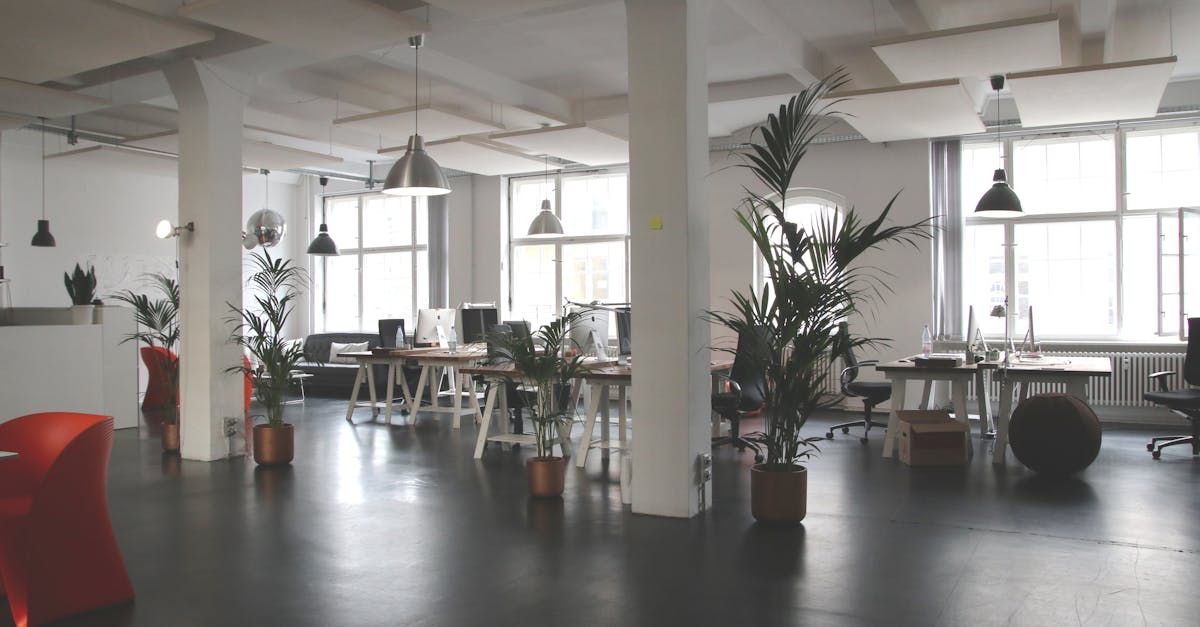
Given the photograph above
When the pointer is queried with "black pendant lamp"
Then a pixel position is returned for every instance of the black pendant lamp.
(43, 238)
(999, 200)
(323, 245)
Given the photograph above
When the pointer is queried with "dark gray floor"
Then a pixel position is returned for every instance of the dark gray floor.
(400, 526)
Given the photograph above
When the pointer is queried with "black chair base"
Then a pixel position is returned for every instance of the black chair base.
(1157, 444)
(845, 427)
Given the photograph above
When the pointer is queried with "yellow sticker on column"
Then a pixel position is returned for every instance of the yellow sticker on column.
(656, 223)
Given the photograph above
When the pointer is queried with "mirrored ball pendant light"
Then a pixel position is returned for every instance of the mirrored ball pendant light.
(43, 238)
(323, 245)
(1000, 200)
(416, 173)
(265, 227)
(545, 223)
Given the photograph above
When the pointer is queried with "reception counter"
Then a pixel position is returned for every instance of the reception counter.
(48, 363)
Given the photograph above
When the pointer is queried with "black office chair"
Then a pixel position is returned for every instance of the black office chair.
(387, 331)
(742, 391)
(519, 328)
(872, 392)
(1182, 401)
(388, 327)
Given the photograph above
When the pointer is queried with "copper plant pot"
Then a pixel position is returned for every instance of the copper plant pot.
(170, 437)
(273, 446)
(778, 494)
(546, 475)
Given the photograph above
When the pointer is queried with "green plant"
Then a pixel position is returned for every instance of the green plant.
(259, 330)
(814, 279)
(540, 365)
(81, 286)
(158, 325)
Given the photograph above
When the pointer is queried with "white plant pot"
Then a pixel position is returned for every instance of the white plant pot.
(83, 314)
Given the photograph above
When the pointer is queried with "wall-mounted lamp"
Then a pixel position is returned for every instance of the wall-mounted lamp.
(166, 230)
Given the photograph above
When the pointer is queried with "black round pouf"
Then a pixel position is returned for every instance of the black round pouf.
(1054, 434)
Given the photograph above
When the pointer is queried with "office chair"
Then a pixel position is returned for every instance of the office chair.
(388, 327)
(742, 392)
(387, 331)
(519, 328)
(872, 392)
(1183, 401)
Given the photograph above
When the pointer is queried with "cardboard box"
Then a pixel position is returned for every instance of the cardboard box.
(932, 438)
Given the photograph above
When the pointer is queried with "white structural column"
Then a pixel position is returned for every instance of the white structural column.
(668, 162)
(210, 259)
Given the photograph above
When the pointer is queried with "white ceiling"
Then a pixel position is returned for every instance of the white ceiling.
(516, 65)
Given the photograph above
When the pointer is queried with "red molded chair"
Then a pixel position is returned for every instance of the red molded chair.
(58, 555)
(158, 388)
(247, 386)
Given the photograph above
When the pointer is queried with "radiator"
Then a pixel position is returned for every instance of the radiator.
(1124, 388)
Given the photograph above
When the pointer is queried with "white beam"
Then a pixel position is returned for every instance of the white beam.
(911, 15)
(805, 62)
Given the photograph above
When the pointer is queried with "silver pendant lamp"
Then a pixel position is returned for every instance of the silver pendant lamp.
(43, 238)
(416, 173)
(999, 200)
(323, 245)
(545, 223)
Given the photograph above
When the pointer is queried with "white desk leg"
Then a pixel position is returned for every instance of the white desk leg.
(925, 393)
(985, 406)
(391, 392)
(1006, 395)
(422, 381)
(358, 379)
(404, 389)
(371, 391)
(622, 422)
(606, 428)
(893, 429)
(457, 389)
(489, 405)
(476, 412)
(958, 390)
(589, 425)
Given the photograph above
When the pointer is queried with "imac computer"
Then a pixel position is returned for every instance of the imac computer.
(429, 321)
(624, 341)
(476, 322)
(589, 333)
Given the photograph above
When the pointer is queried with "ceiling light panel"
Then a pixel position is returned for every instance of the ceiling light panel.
(329, 28)
(436, 122)
(1094, 93)
(918, 111)
(488, 9)
(574, 142)
(973, 51)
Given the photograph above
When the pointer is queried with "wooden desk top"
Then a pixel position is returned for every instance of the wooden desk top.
(1090, 366)
(608, 371)
(468, 352)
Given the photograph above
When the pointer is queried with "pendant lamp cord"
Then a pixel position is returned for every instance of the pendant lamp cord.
(417, 89)
(43, 168)
(998, 142)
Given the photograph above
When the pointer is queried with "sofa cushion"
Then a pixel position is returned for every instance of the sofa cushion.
(337, 348)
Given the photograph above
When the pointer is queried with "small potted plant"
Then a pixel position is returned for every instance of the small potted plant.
(81, 288)
(542, 369)
(816, 282)
(258, 329)
(158, 324)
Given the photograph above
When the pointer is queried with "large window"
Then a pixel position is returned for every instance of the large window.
(1096, 254)
(383, 268)
(807, 208)
(590, 262)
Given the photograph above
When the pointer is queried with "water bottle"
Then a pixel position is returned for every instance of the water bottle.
(926, 342)
(401, 341)
(452, 342)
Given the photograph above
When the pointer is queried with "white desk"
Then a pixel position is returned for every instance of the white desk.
(497, 398)
(960, 377)
(1072, 372)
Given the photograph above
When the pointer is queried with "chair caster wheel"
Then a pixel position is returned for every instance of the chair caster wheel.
(1156, 454)
(845, 429)
(758, 459)
(1150, 447)
(863, 440)
(829, 436)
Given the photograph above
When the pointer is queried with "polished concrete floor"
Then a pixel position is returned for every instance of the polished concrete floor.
(400, 526)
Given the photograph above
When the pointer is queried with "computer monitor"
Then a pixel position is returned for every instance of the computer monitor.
(520, 328)
(428, 322)
(590, 331)
(624, 339)
(389, 328)
(475, 323)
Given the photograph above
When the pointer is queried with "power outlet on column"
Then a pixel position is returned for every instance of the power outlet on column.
(705, 468)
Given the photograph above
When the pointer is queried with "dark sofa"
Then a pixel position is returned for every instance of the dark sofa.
(337, 377)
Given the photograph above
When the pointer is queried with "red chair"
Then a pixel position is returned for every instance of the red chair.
(158, 388)
(247, 386)
(58, 555)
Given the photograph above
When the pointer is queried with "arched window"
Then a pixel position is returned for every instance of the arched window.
(806, 207)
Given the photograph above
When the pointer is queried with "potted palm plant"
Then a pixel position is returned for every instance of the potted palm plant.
(258, 329)
(815, 282)
(158, 326)
(81, 288)
(542, 370)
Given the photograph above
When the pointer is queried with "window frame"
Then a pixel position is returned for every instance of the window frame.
(557, 178)
(797, 195)
(1117, 216)
(320, 300)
